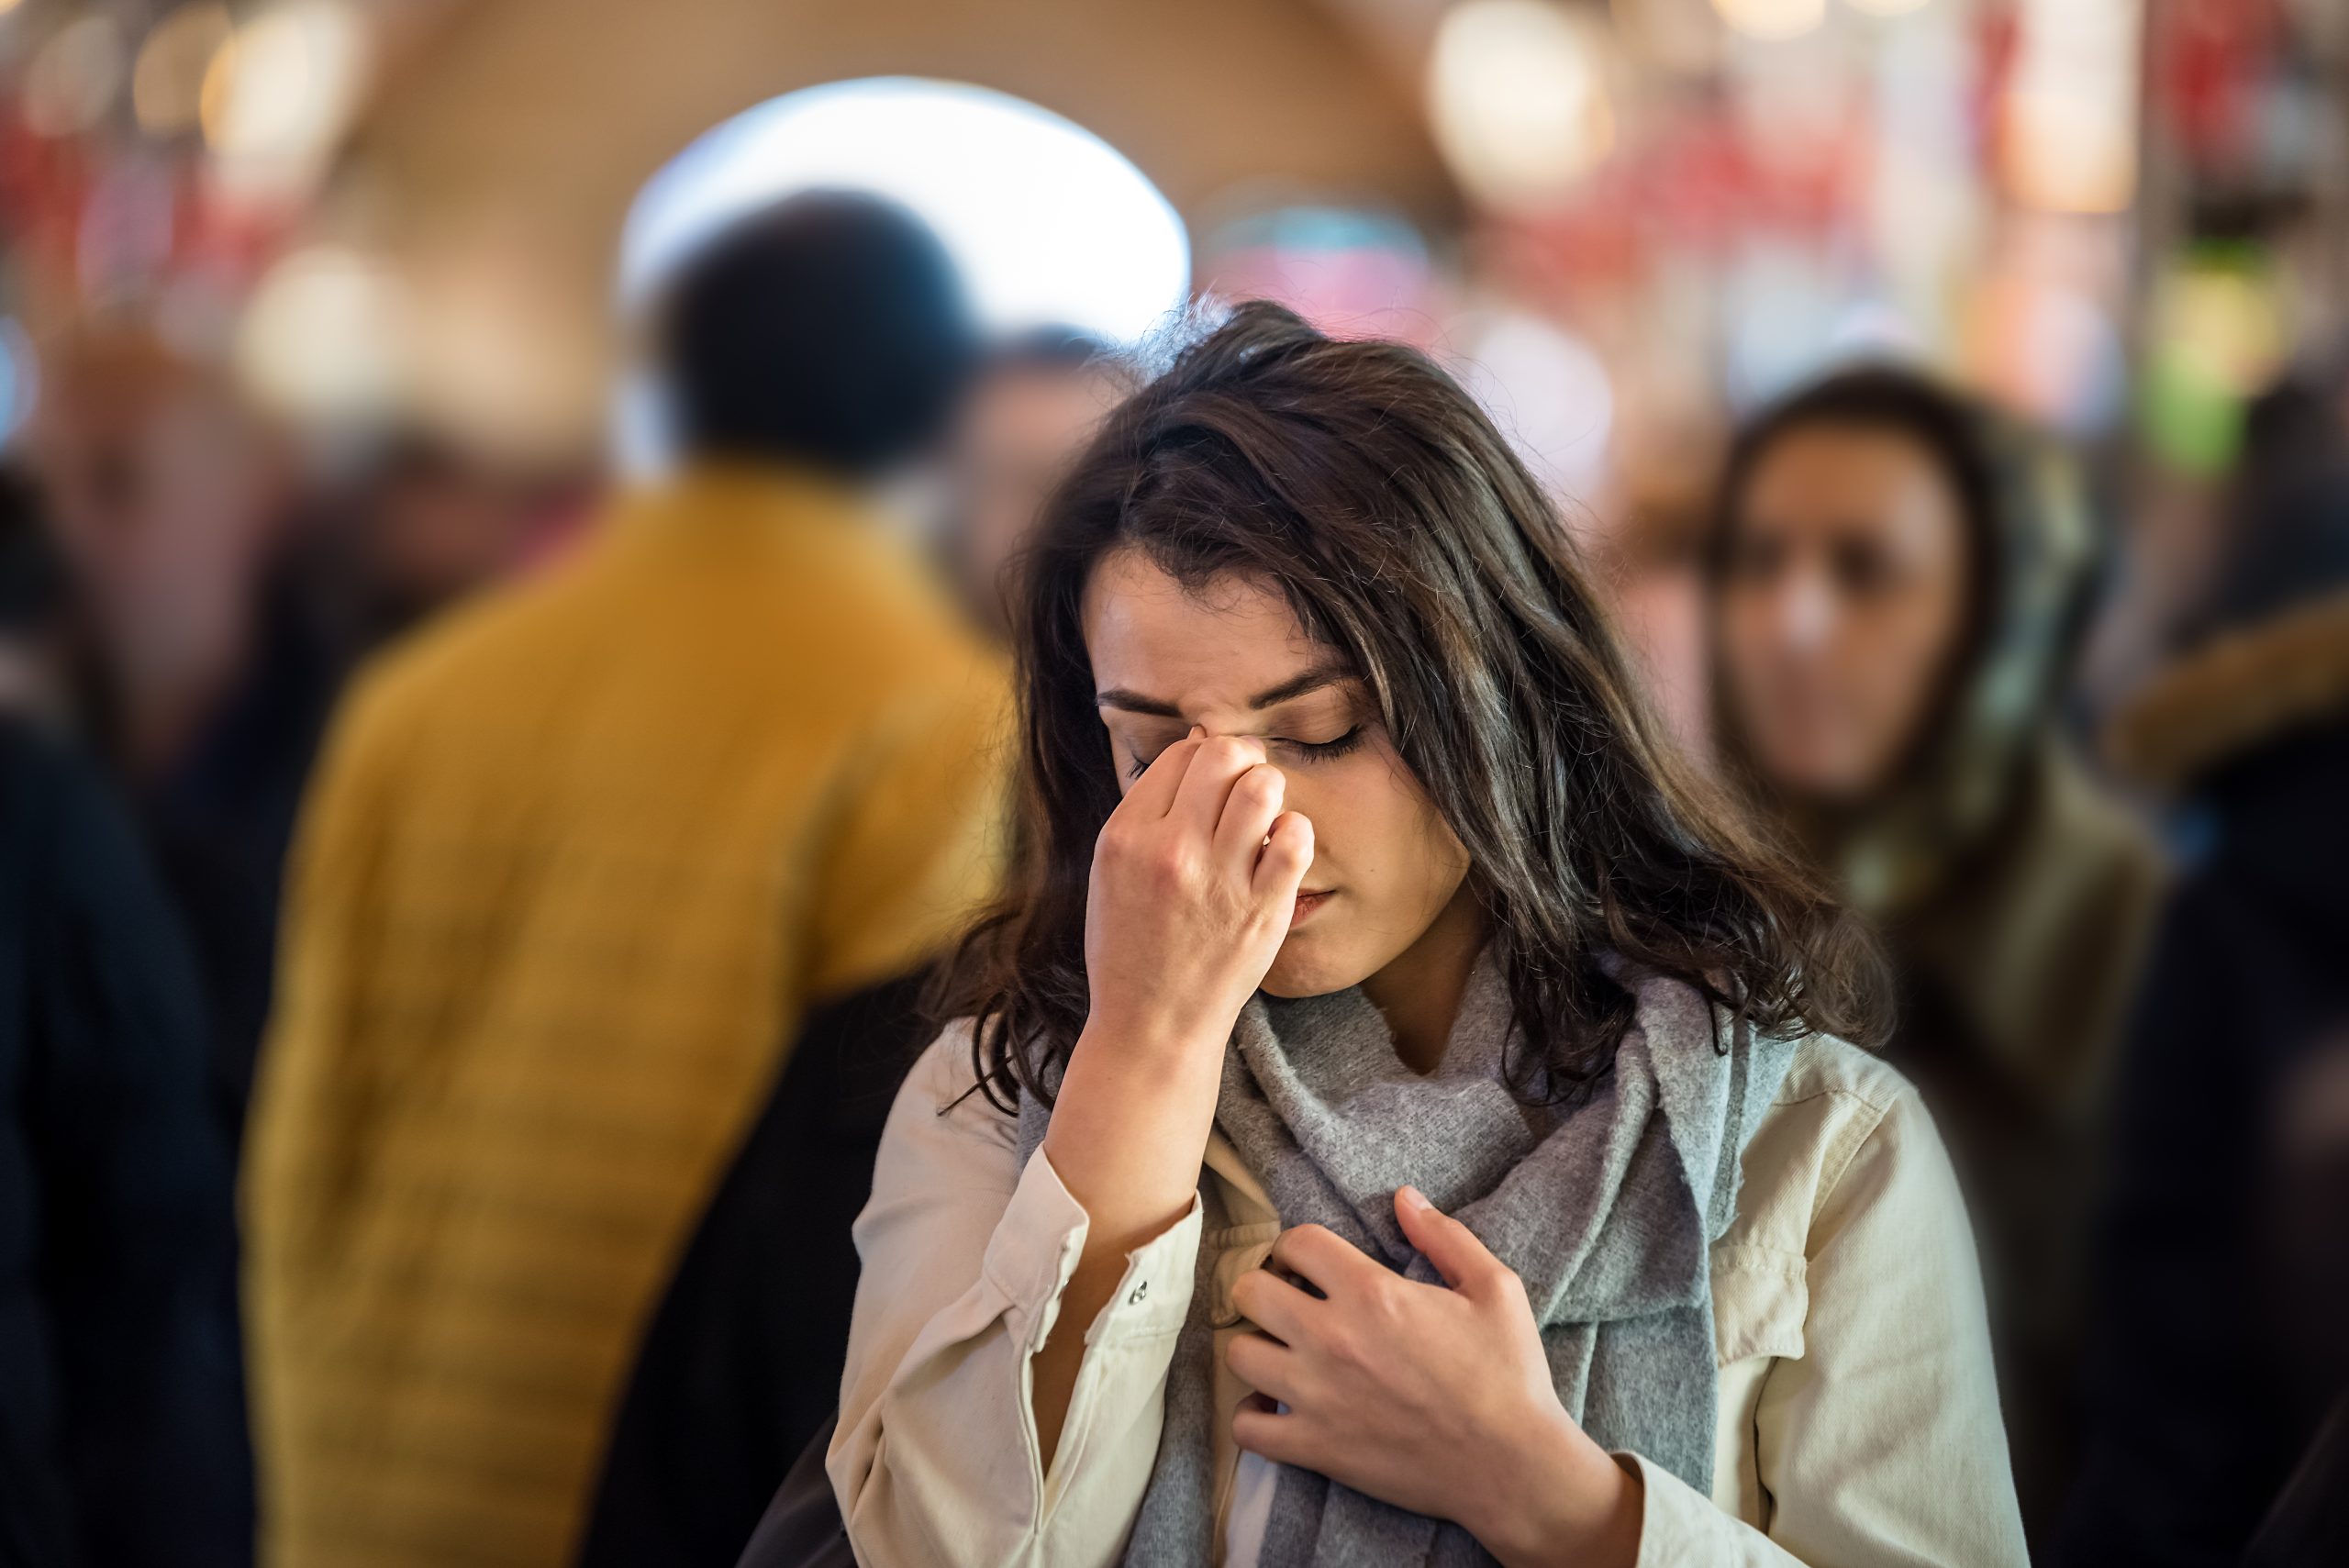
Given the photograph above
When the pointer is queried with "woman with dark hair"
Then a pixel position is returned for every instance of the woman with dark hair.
(1337, 1158)
(1898, 576)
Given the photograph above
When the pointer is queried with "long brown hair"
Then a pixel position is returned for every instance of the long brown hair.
(1363, 483)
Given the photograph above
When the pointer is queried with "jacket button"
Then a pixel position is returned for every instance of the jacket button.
(1139, 1292)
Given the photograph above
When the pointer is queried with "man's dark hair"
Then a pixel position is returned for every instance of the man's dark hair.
(830, 328)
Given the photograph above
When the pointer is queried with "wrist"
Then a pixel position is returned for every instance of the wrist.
(1128, 1132)
(1159, 1046)
(1561, 1498)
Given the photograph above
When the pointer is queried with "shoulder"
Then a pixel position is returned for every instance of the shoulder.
(461, 659)
(832, 586)
(917, 651)
(1826, 1068)
(942, 1123)
(1842, 1119)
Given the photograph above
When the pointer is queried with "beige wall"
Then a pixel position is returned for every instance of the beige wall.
(502, 157)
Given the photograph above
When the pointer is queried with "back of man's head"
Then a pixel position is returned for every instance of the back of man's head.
(829, 330)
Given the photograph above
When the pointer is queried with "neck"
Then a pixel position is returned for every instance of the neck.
(1418, 993)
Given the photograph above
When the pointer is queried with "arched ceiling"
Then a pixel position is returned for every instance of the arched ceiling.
(520, 129)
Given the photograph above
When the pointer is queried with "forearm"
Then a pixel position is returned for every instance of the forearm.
(965, 1256)
(1129, 1129)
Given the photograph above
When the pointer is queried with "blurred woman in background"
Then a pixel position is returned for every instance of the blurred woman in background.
(1898, 582)
(1395, 1116)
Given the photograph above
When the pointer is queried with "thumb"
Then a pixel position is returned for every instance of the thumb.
(1465, 1262)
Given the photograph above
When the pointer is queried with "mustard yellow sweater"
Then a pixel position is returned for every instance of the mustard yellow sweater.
(573, 866)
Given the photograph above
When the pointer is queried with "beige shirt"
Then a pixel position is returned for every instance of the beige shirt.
(1858, 1425)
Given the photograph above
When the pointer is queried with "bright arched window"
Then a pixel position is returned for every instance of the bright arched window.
(1049, 223)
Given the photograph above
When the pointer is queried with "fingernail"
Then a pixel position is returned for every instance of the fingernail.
(1413, 1199)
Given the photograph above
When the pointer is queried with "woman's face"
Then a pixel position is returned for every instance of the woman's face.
(1842, 607)
(1235, 661)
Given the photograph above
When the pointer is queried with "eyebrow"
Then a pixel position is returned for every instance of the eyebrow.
(1313, 680)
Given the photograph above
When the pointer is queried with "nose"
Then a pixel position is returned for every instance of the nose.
(1804, 611)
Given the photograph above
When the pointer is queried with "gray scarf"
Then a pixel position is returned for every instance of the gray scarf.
(1607, 1212)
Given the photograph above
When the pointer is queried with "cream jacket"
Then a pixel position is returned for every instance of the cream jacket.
(1858, 1429)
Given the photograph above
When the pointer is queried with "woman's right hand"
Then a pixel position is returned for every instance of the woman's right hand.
(1189, 904)
(1194, 880)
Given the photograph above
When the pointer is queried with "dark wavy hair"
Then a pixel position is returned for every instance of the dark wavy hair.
(1361, 482)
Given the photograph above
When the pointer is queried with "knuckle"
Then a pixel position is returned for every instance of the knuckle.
(1168, 862)
(1296, 1241)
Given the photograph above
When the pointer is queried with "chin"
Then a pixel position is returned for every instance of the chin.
(1306, 967)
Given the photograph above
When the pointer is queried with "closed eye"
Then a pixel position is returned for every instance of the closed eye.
(1326, 750)
(1304, 750)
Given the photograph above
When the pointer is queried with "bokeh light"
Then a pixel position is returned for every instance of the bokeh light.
(280, 92)
(1547, 390)
(2069, 130)
(19, 375)
(324, 337)
(1349, 272)
(167, 84)
(1517, 100)
(72, 82)
(1772, 18)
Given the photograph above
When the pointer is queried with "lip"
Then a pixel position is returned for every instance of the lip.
(1307, 903)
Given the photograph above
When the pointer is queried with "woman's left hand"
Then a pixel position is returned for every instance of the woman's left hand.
(1437, 1400)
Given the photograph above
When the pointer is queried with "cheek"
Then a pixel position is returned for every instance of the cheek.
(1900, 649)
(1376, 832)
(1746, 650)
(1745, 625)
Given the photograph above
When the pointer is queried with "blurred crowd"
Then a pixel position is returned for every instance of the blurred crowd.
(617, 823)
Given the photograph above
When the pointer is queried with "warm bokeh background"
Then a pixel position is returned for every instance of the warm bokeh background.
(322, 318)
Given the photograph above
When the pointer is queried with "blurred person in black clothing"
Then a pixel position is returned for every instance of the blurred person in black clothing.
(1038, 399)
(121, 1403)
(1898, 580)
(2221, 1394)
(40, 679)
(213, 669)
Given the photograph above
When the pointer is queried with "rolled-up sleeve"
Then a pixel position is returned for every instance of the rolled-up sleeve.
(935, 1460)
(1881, 1444)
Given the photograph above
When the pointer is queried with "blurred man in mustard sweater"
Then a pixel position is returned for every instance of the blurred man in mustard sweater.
(576, 866)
